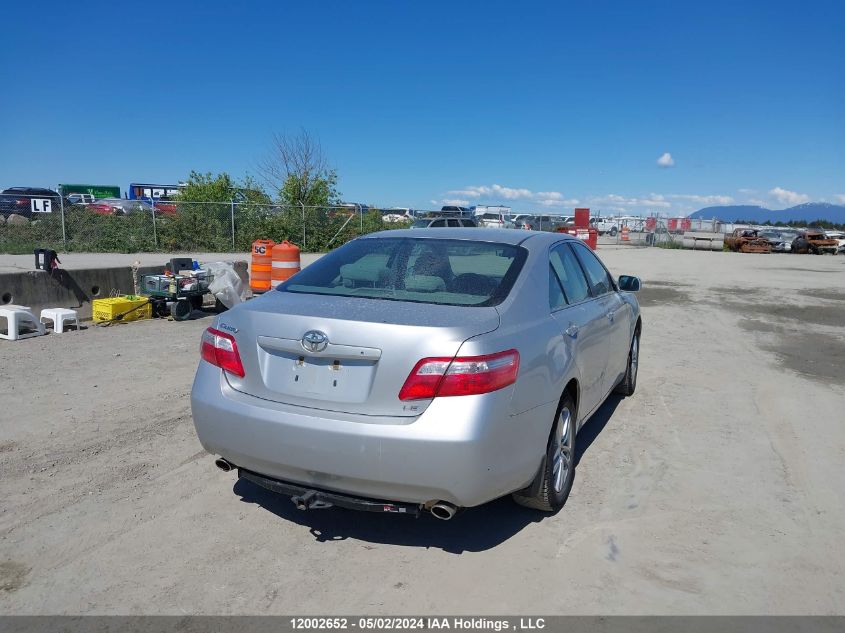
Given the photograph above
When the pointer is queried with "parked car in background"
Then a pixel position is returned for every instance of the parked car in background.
(494, 220)
(814, 241)
(455, 210)
(120, 206)
(28, 202)
(394, 374)
(787, 235)
(839, 236)
(81, 199)
(546, 222)
(439, 223)
(776, 240)
(165, 205)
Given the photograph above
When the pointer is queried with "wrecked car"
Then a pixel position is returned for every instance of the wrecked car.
(814, 241)
(746, 240)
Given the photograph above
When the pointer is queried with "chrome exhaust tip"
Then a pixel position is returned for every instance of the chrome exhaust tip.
(224, 464)
(443, 510)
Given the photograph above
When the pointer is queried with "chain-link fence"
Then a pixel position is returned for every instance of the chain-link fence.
(29, 221)
(119, 225)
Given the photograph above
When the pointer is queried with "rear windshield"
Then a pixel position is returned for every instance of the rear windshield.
(445, 272)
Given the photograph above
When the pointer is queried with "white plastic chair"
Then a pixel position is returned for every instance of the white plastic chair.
(60, 316)
(16, 317)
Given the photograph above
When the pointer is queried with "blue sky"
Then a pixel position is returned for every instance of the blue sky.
(536, 105)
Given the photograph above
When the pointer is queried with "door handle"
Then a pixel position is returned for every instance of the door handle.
(571, 331)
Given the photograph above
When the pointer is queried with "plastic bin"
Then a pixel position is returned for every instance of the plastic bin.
(131, 307)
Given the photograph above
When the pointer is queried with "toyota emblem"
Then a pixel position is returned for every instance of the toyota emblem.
(315, 341)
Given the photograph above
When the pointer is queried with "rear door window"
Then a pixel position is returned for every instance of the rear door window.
(438, 223)
(454, 223)
(569, 274)
(600, 280)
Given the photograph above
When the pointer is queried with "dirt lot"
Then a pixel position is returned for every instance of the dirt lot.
(717, 488)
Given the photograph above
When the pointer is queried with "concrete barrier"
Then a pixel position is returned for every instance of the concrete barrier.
(75, 289)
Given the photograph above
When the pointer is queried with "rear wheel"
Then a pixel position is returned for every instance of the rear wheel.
(180, 310)
(613, 231)
(629, 382)
(558, 465)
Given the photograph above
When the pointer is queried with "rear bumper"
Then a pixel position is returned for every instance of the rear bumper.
(464, 450)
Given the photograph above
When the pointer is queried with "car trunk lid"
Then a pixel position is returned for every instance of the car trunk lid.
(370, 348)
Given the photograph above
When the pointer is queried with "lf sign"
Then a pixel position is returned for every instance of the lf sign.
(41, 205)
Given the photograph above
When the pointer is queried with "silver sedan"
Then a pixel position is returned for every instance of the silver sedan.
(420, 370)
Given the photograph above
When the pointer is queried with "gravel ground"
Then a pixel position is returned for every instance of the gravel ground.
(716, 488)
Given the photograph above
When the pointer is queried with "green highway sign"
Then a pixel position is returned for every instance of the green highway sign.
(98, 191)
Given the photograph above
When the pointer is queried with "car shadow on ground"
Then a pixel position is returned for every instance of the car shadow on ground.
(471, 530)
(595, 425)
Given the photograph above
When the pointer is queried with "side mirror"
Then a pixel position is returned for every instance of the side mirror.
(628, 283)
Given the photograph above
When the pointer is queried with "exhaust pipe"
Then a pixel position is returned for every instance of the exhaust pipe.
(443, 510)
(224, 464)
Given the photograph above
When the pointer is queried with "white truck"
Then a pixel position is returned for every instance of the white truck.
(605, 225)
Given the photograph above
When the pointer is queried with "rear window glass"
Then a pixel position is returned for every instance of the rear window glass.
(446, 272)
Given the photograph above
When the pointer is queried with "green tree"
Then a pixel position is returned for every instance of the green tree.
(206, 208)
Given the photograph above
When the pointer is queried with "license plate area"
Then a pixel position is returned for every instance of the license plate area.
(323, 378)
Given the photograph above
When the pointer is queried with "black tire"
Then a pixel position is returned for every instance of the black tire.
(558, 470)
(196, 302)
(219, 306)
(180, 310)
(628, 384)
(613, 231)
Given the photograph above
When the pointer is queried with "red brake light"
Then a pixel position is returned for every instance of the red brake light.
(221, 350)
(22, 202)
(462, 376)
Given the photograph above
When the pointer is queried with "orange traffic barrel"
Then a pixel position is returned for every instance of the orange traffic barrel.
(625, 236)
(285, 262)
(259, 270)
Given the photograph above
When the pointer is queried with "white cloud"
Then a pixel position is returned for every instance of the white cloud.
(785, 196)
(706, 200)
(840, 197)
(558, 202)
(624, 203)
(666, 160)
(483, 191)
(457, 202)
(499, 193)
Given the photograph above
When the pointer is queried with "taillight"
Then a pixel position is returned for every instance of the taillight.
(462, 376)
(22, 202)
(220, 349)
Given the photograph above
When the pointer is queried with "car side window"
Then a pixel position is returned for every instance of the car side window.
(569, 274)
(556, 298)
(600, 280)
(453, 223)
(437, 223)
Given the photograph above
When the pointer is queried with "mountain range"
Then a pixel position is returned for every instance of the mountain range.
(807, 212)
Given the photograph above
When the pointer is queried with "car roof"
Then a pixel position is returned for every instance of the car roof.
(503, 236)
